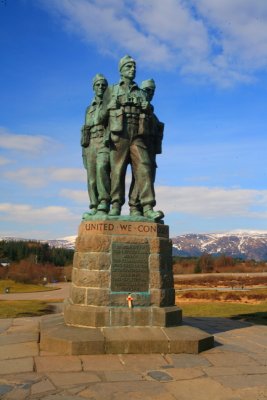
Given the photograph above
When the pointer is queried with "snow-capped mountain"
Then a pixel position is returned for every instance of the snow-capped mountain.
(67, 242)
(243, 244)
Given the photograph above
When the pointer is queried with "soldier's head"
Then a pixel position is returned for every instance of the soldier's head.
(149, 88)
(127, 67)
(99, 85)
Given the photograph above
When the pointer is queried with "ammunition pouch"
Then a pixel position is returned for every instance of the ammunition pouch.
(97, 131)
(143, 124)
(85, 136)
(116, 120)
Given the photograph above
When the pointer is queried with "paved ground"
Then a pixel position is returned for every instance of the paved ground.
(236, 369)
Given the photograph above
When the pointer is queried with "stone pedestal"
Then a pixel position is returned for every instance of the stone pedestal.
(115, 259)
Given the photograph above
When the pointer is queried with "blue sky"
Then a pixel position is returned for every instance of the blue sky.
(209, 61)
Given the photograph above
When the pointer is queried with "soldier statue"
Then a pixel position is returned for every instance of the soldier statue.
(153, 140)
(128, 113)
(95, 152)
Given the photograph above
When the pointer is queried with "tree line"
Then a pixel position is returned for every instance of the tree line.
(210, 263)
(40, 253)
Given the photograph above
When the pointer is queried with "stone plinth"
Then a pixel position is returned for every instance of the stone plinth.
(58, 338)
(116, 258)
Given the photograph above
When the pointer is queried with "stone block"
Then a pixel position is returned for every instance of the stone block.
(41, 387)
(99, 363)
(121, 316)
(86, 316)
(129, 239)
(166, 316)
(58, 363)
(65, 379)
(161, 279)
(142, 316)
(141, 362)
(92, 260)
(144, 390)
(23, 337)
(77, 294)
(186, 339)
(119, 227)
(93, 279)
(69, 340)
(160, 245)
(124, 316)
(96, 243)
(162, 297)
(18, 350)
(16, 366)
(231, 359)
(98, 297)
(143, 340)
(122, 376)
(160, 262)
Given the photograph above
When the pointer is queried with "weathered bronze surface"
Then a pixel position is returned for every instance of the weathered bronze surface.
(129, 267)
(121, 129)
(94, 151)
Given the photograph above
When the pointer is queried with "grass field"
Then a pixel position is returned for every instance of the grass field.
(24, 308)
(15, 287)
(252, 296)
(255, 313)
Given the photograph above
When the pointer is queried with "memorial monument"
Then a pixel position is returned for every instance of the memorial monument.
(122, 297)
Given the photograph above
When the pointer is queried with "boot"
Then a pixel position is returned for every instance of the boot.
(151, 214)
(135, 211)
(89, 214)
(116, 210)
(103, 206)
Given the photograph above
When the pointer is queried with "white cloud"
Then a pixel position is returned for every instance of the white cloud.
(224, 41)
(212, 202)
(68, 174)
(27, 213)
(4, 161)
(39, 177)
(25, 143)
(241, 29)
(79, 196)
(199, 201)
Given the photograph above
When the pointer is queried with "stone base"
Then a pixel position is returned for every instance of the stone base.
(61, 339)
(94, 316)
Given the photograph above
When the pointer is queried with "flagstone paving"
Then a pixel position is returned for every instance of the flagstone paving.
(235, 369)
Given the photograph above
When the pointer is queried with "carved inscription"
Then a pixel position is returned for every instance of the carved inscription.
(127, 228)
(129, 267)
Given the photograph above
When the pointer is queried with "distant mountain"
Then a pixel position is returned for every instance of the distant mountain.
(249, 245)
(67, 242)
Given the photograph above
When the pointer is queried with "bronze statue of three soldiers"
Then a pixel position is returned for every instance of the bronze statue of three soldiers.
(121, 129)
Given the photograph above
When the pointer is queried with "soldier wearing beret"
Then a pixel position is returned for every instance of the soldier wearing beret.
(128, 115)
(95, 151)
(153, 140)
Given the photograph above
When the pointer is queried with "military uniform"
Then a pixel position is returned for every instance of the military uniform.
(96, 155)
(128, 127)
(153, 141)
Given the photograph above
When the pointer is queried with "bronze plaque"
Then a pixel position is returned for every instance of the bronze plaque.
(129, 267)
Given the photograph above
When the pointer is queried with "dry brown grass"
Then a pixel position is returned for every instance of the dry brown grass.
(255, 296)
(220, 281)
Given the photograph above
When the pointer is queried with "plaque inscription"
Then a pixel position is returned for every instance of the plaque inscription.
(129, 267)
